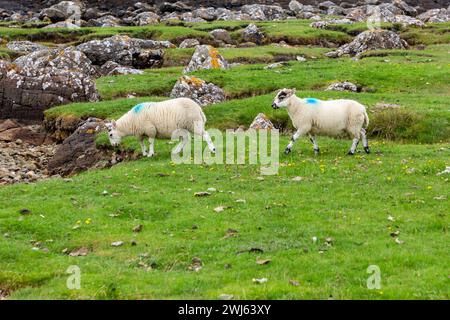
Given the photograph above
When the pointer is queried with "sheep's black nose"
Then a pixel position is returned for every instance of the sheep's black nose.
(274, 106)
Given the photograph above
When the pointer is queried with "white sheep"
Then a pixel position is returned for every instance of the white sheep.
(160, 120)
(330, 118)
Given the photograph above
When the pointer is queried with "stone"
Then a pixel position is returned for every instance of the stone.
(252, 34)
(126, 51)
(326, 5)
(198, 90)
(295, 6)
(221, 35)
(324, 24)
(26, 134)
(206, 57)
(26, 92)
(62, 24)
(370, 40)
(62, 11)
(435, 15)
(189, 43)
(146, 18)
(68, 59)
(206, 14)
(178, 6)
(343, 86)
(264, 12)
(105, 22)
(112, 68)
(261, 121)
(25, 46)
(407, 21)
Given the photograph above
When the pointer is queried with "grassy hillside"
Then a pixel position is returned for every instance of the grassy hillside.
(312, 230)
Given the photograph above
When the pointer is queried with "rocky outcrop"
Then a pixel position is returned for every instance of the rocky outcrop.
(370, 40)
(126, 51)
(78, 152)
(68, 59)
(206, 57)
(189, 43)
(198, 90)
(26, 92)
(435, 15)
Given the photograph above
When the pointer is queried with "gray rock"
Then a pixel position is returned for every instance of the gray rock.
(105, 21)
(221, 35)
(126, 51)
(264, 12)
(68, 59)
(26, 92)
(295, 6)
(198, 90)
(62, 24)
(206, 14)
(189, 43)
(206, 57)
(146, 18)
(62, 11)
(25, 46)
(343, 86)
(435, 15)
(112, 68)
(261, 121)
(252, 34)
(370, 40)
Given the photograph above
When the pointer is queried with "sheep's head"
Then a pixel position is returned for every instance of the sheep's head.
(114, 136)
(282, 97)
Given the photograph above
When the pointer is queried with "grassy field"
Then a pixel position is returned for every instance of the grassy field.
(312, 230)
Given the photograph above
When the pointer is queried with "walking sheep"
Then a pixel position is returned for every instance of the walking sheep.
(330, 118)
(160, 120)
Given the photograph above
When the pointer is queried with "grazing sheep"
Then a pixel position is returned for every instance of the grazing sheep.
(160, 120)
(331, 118)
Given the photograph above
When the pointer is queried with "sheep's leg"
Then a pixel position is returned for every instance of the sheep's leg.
(143, 147)
(294, 138)
(315, 145)
(207, 138)
(353, 148)
(181, 146)
(365, 141)
(151, 151)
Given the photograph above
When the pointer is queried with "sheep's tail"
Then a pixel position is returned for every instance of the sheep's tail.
(366, 119)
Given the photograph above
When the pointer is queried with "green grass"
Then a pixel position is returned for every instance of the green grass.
(339, 197)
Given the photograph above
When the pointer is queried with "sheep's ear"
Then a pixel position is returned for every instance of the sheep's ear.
(113, 124)
(292, 91)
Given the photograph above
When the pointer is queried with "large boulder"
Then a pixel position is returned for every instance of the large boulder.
(68, 59)
(435, 15)
(26, 92)
(62, 11)
(198, 90)
(370, 40)
(62, 24)
(206, 57)
(342, 86)
(24, 46)
(206, 14)
(252, 34)
(178, 6)
(106, 21)
(221, 35)
(126, 51)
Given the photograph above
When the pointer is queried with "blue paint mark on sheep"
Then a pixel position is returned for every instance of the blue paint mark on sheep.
(138, 107)
(312, 101)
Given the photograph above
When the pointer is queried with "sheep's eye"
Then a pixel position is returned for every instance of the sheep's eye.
(110, 135)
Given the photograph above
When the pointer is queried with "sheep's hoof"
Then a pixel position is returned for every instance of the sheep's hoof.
(287, 151)
(350, 153)
(367, 150)
(150, 155)
(316, 152)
